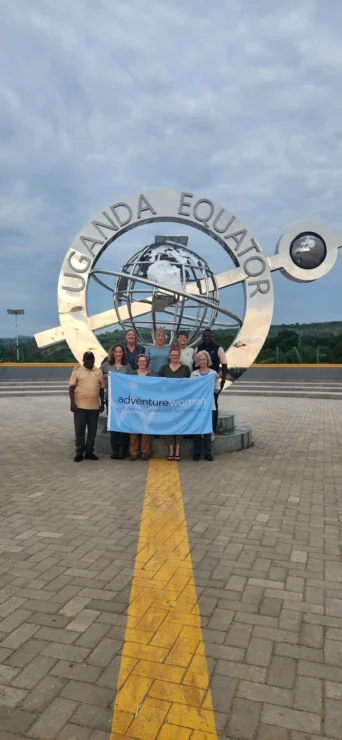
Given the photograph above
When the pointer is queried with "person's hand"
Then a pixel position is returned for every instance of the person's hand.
(73, 407)
(101, 409)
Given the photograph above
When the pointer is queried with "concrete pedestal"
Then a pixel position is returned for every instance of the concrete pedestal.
(230, 437)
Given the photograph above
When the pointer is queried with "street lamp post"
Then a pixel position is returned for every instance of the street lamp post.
(16, 312)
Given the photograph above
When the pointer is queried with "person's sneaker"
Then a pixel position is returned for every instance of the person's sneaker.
(144, 456)
(90, 456)
(133, 458)
(196, 458)
(78, 458)
(114, 456)
(209, 458)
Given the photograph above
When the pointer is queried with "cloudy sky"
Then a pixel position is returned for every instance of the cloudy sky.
(237, 99)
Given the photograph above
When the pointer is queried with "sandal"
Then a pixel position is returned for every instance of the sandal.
(177, 458)
(170, 457)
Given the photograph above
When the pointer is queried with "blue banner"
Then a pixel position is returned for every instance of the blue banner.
(148, 405)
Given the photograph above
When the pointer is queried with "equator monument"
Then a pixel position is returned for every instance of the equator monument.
(168, 283)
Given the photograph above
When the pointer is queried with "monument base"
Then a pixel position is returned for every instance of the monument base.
(230, 437)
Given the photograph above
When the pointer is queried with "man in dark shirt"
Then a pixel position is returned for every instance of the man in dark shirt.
(218, 363)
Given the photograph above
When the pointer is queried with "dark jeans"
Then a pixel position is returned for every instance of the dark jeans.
(198, 444)
(85, 419)
(206, 442)
(119, 440)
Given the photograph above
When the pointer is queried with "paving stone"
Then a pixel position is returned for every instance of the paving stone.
(83, 620)
(76, 671)
(8, 674)
(333, 652)
(271, 607)
(75, 732)
(22, 657)
(308, 694)
(236, 583)
(93, 635)
(290, 620)
(65, 652)
(291, 719)
(282, 672)
(333, 690)
(15, 721)
(56, 635)
(33, 673)
(14, 620)
(10, 697)
(221, 619)
(225, 652)
(41, 696)
(333, 719)
(52, 721)
(104, 652)
(239, 635)
(90, 694)
(49, 620)
(311, 635)
(74, 606)
(320, 670)
(268, 732)
(109, 677)
(89, 715)
(244, 719)
(259, 652)
(265, 694)
(296, 651)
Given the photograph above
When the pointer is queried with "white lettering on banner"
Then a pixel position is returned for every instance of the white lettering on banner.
(159, 405)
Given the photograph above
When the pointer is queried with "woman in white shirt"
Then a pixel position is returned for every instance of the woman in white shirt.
(204, 369)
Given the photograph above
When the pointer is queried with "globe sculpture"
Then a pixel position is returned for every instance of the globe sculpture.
(175, 283)
(308, 251)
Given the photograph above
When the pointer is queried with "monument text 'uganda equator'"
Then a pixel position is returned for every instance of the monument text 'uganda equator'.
(307, 251)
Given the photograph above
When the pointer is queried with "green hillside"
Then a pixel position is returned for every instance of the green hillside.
(285, 343)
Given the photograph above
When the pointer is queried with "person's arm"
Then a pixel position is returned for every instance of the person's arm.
(73, 406)
(224, 374)
(102, 393)
(223, 361)
(72, 388)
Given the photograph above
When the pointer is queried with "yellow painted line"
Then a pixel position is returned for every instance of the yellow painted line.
(163, 685)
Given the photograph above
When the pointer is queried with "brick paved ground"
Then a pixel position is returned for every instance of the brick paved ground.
(264, 532)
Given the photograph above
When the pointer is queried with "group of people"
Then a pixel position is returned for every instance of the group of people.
(88, 390)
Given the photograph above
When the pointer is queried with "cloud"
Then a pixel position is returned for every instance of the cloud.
(240, 101)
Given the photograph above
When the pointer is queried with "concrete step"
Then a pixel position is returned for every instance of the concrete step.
(37, 392)
(291, 393)
(289, 383)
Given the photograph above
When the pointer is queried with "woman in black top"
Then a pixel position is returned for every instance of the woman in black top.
(174, 370)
